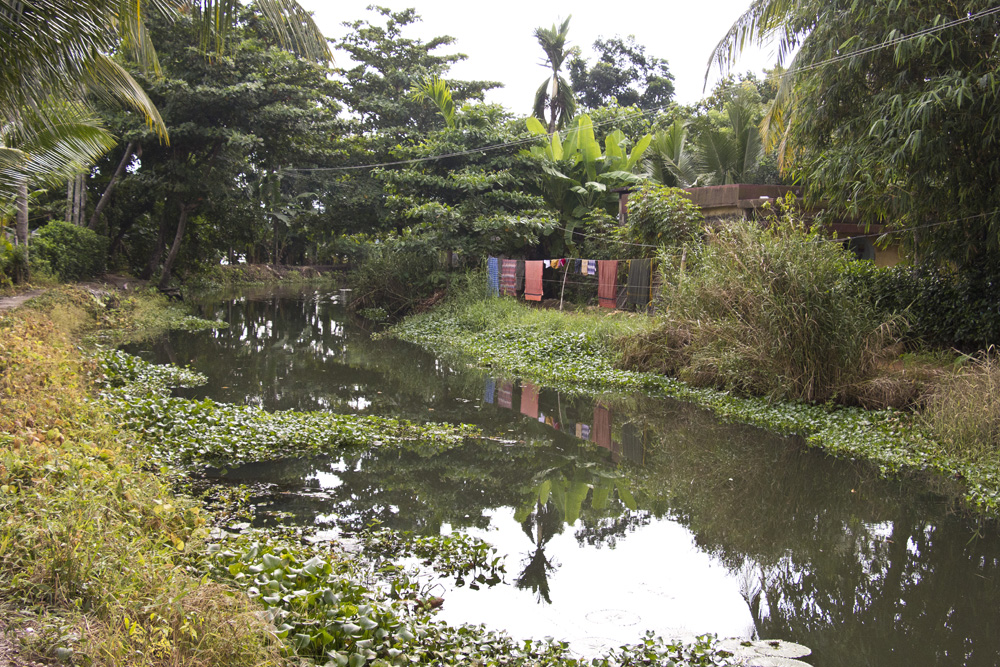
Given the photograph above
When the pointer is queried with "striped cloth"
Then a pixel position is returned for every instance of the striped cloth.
(508, 277)
(493, 275)
(591, 267)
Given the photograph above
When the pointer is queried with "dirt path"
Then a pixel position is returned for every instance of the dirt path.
(8, 302)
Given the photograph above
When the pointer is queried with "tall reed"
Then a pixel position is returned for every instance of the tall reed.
(764, 310)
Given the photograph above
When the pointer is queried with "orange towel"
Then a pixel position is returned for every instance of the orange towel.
(607, 283)
(529, 399)
(533, 280)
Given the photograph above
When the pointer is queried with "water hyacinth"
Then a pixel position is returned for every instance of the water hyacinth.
(518, 342)
(197, 432)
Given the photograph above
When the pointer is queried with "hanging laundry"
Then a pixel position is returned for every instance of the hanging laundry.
(591, 267)
(581, 266)
(632, 445)
(506, 395)
(585, 431)
(529, 399)
(639, 274)
(546, 263)
(493, 275)
(519, 277)
(607, 283)
(533, 280)
(491, 386)
(578, 431)
(601, 433)
(508, 273)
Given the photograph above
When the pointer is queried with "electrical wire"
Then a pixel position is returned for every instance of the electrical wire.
(653, 110)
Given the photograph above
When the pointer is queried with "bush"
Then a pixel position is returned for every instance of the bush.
(69, 252)
(397, 275)
(767, 311)
(660, 216)
(13, 263)
(963, 411)
(942, 307)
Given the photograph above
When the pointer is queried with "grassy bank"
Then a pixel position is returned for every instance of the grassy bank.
(91, 544)
(101, 562)
(580, 351)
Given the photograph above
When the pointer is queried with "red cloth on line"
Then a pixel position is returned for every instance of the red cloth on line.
(600, 434)
(607, 283)
(508, 272)
(529, 399)
(533, 280)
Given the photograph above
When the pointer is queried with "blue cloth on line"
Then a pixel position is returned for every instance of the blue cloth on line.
(491, 386)
(493, 275)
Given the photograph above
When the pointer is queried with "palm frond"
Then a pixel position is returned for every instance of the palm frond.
(60, 139)
(110, 82)
(762, 22)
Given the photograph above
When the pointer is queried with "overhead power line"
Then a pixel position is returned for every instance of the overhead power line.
(653, 110)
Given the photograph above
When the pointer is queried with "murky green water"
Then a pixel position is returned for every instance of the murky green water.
(617, 515)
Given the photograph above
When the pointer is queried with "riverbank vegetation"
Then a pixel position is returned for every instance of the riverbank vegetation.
(102, 562)
(749, 355)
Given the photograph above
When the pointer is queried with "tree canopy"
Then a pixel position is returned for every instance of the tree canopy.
(888, 113)
(624, 73)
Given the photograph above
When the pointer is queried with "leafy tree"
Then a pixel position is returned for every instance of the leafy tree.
(63, 56)
(388, 65)
(236, 119)
(555, 93)
(472, 202)
(377, 91)
(888, 113)
(577, 177)
(623, 73)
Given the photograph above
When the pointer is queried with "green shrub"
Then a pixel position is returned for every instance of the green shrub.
(68, 251)
(396, 275)
(660, 216)
(13, 263)
(942, 307)
(767, 311)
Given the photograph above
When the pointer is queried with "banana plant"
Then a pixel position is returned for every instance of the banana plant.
(577, 176)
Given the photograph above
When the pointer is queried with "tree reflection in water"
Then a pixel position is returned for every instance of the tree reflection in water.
(866, 571)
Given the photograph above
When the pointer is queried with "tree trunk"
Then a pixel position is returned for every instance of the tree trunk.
(106, 197)
(169, 207)
(80, 201)
(21, 229)
(552, 102)
(168, 265)
(70, 184)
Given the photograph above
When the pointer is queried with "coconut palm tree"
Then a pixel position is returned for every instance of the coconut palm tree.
(62, 50)
(555, 92)
(670, 159)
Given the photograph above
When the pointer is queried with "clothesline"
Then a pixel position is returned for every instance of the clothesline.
(514, 277)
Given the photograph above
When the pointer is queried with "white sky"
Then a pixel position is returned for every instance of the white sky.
(497, 36)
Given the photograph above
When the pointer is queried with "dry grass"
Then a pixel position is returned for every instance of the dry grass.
(963, 410)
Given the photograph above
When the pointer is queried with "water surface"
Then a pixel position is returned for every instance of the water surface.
(617, 514)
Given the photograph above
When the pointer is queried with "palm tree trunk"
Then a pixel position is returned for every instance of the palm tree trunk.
(553, 105)
(168, 264)
(79, 201)
(70, 184)
(21, 228)
(106, 197)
